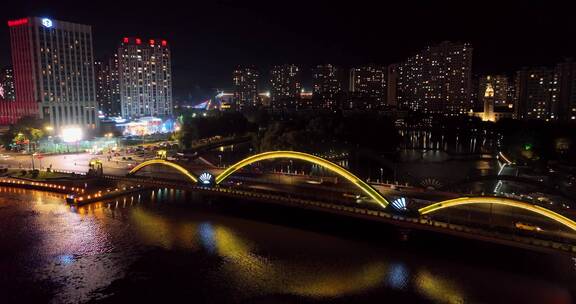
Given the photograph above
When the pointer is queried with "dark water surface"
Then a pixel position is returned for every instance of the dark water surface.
(156, 247)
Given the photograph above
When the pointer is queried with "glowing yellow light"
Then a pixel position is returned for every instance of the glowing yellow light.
(71, 134)
(309, 158)
(500, 201)
(164, 163)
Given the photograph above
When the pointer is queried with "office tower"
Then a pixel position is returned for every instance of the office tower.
(286, 85)
(53, 71)
(437, 80)
(369, 82)
(245, 82)
(145, 75)
(108, 86)
(326, 86)
(536, 94)
(500, 86)
(566, 72)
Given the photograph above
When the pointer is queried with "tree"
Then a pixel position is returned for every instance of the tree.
(27, 128)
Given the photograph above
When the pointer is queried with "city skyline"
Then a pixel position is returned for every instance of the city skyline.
(207, 46)
(244, 151)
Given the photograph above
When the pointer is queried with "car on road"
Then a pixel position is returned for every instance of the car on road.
(527, 227)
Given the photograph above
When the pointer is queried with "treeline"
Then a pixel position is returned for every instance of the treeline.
(538, 142)
(312, 132)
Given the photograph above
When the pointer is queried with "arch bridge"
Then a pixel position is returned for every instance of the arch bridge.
(363, 186)
(334, 168)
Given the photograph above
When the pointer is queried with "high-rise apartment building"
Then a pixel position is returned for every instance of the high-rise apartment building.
(326, 86)
(53, 71)
(286, 85)
(245, 82)
(537, 94)
(369, 82)
(437, 80)
(145, 75)
(392, 85)
(108, 86)
(566, 72)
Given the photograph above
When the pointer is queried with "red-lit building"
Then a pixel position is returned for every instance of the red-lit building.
(6, 96)
(145, 75)
(53, 71)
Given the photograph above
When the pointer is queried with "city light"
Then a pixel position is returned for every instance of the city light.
(206, 178)
(71, 134)
(46, 22)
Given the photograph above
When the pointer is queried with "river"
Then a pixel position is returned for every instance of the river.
(161, 246)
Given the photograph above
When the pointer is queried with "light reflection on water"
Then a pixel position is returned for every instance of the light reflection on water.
(83, 250)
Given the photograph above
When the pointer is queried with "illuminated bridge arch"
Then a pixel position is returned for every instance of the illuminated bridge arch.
(500, 201)
(371, 192)
(164, 163)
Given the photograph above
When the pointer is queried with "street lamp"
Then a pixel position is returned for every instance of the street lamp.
(33, 154)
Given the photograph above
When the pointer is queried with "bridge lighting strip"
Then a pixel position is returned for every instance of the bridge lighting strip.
(309, 158)
(505, 158)
(500, 201)
(164, 163)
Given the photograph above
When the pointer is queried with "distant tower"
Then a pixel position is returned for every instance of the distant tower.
(488, 98)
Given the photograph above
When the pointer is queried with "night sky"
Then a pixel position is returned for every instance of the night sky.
(208, 38)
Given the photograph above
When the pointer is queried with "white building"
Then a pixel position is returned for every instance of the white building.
(145, 78)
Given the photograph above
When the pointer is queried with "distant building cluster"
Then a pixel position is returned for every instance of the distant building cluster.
(437, 80)
(55, 77)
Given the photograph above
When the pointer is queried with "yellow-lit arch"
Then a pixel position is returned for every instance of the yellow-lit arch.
(309, 158)
(500, 201)
(164, 163)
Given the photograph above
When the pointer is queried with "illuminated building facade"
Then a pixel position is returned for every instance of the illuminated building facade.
(53, 71)
(108, 86)
(145, 76)
(7, 96)
(566, 72)
(489, 98)
(286, 84)
(392, 85)
(536, 94)
(245, 82)
(437, 80)
(326, 86)
(501, 87)
(7, 91)
(369, 82)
